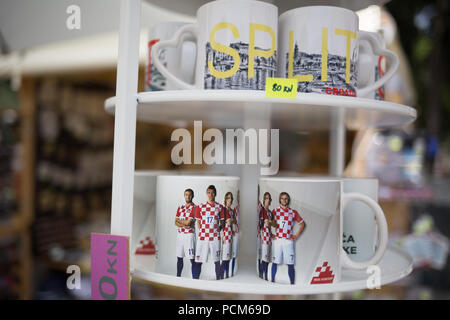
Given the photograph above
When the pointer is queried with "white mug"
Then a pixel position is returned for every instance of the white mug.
(305, 246)
(172, 58)
(236, 46)
(360, 226)
(371, 67)
(194, 231)
(144, 212)
(318, 45)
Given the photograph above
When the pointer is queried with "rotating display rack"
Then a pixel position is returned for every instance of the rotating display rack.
(237, 109)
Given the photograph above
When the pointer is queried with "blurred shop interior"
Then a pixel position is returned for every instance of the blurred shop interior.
(56, 146)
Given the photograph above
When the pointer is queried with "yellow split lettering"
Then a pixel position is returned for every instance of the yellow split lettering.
(225, 49)
(252, 52)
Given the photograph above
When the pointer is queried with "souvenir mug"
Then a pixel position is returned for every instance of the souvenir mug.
(302, 230)
(171, 58)
(360, 226)
(236, 46)
(144, 212)
(196, 225)
(371, 67)
(319, 46)
(360, 234)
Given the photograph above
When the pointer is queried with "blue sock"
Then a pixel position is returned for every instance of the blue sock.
(274, 271)
(198, 270)
(259, 268)
(193, 267)
(265, 265)
(232, 266)
(227, 268)
(291, 272)
(217, 267)
(179, 266)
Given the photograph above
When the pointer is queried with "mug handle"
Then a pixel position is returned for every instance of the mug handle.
(378, 49)
(366, 70)
(178, 38)
(382, 231)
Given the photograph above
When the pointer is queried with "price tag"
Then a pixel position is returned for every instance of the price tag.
(110, 269)
(281, 88)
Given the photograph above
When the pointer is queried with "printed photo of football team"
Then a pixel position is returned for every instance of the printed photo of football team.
(208, 231)
(275, 235)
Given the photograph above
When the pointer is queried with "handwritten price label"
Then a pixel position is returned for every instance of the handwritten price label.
(110, 268)
(281, 88)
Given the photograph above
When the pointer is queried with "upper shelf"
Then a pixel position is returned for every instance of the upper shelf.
(232, 108)
(189, 7)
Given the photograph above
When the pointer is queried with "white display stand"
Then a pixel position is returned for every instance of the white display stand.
(395, 265)
(236, 109)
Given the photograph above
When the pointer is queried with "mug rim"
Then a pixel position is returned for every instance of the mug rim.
(199, 177)
(237, 1)
(301, 179)
(167, 23)
(322, 177)
(293, 11)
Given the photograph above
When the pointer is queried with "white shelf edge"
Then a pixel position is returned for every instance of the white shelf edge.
(243, 99)
(259, 286)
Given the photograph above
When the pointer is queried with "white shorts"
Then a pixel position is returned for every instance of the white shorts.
(235, 247)
(265, 252)
(283, 251)
(258, 247)
(203, 247)
(226, 251)
(185, 245)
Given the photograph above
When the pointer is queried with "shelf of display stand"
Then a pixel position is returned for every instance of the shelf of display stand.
(229, 108)
(189, 7)
(395, 265)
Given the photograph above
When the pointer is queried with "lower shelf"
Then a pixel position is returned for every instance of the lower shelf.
(395, 265)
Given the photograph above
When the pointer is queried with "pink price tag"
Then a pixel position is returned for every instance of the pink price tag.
(109, 267)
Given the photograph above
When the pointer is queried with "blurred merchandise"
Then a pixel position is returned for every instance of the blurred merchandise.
(427, 247)
(396, 158)
(9, 259)
(73, 164)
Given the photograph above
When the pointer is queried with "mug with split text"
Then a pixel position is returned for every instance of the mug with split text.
(301, 221)
(197, 226)
(171, 58)
(319, 46)
(371, 67)
(236, 46)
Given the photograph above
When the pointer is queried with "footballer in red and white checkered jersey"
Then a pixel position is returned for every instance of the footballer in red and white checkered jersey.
(283, 244)
(259, 223)
(266, 234)
(210, 220)
(235, 244)
(184, 220)
(227, 235)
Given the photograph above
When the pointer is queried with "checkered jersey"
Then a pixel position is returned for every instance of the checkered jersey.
(227, 232)
(185, 212)
(209, 217)
(285, 220)
(266, 235)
